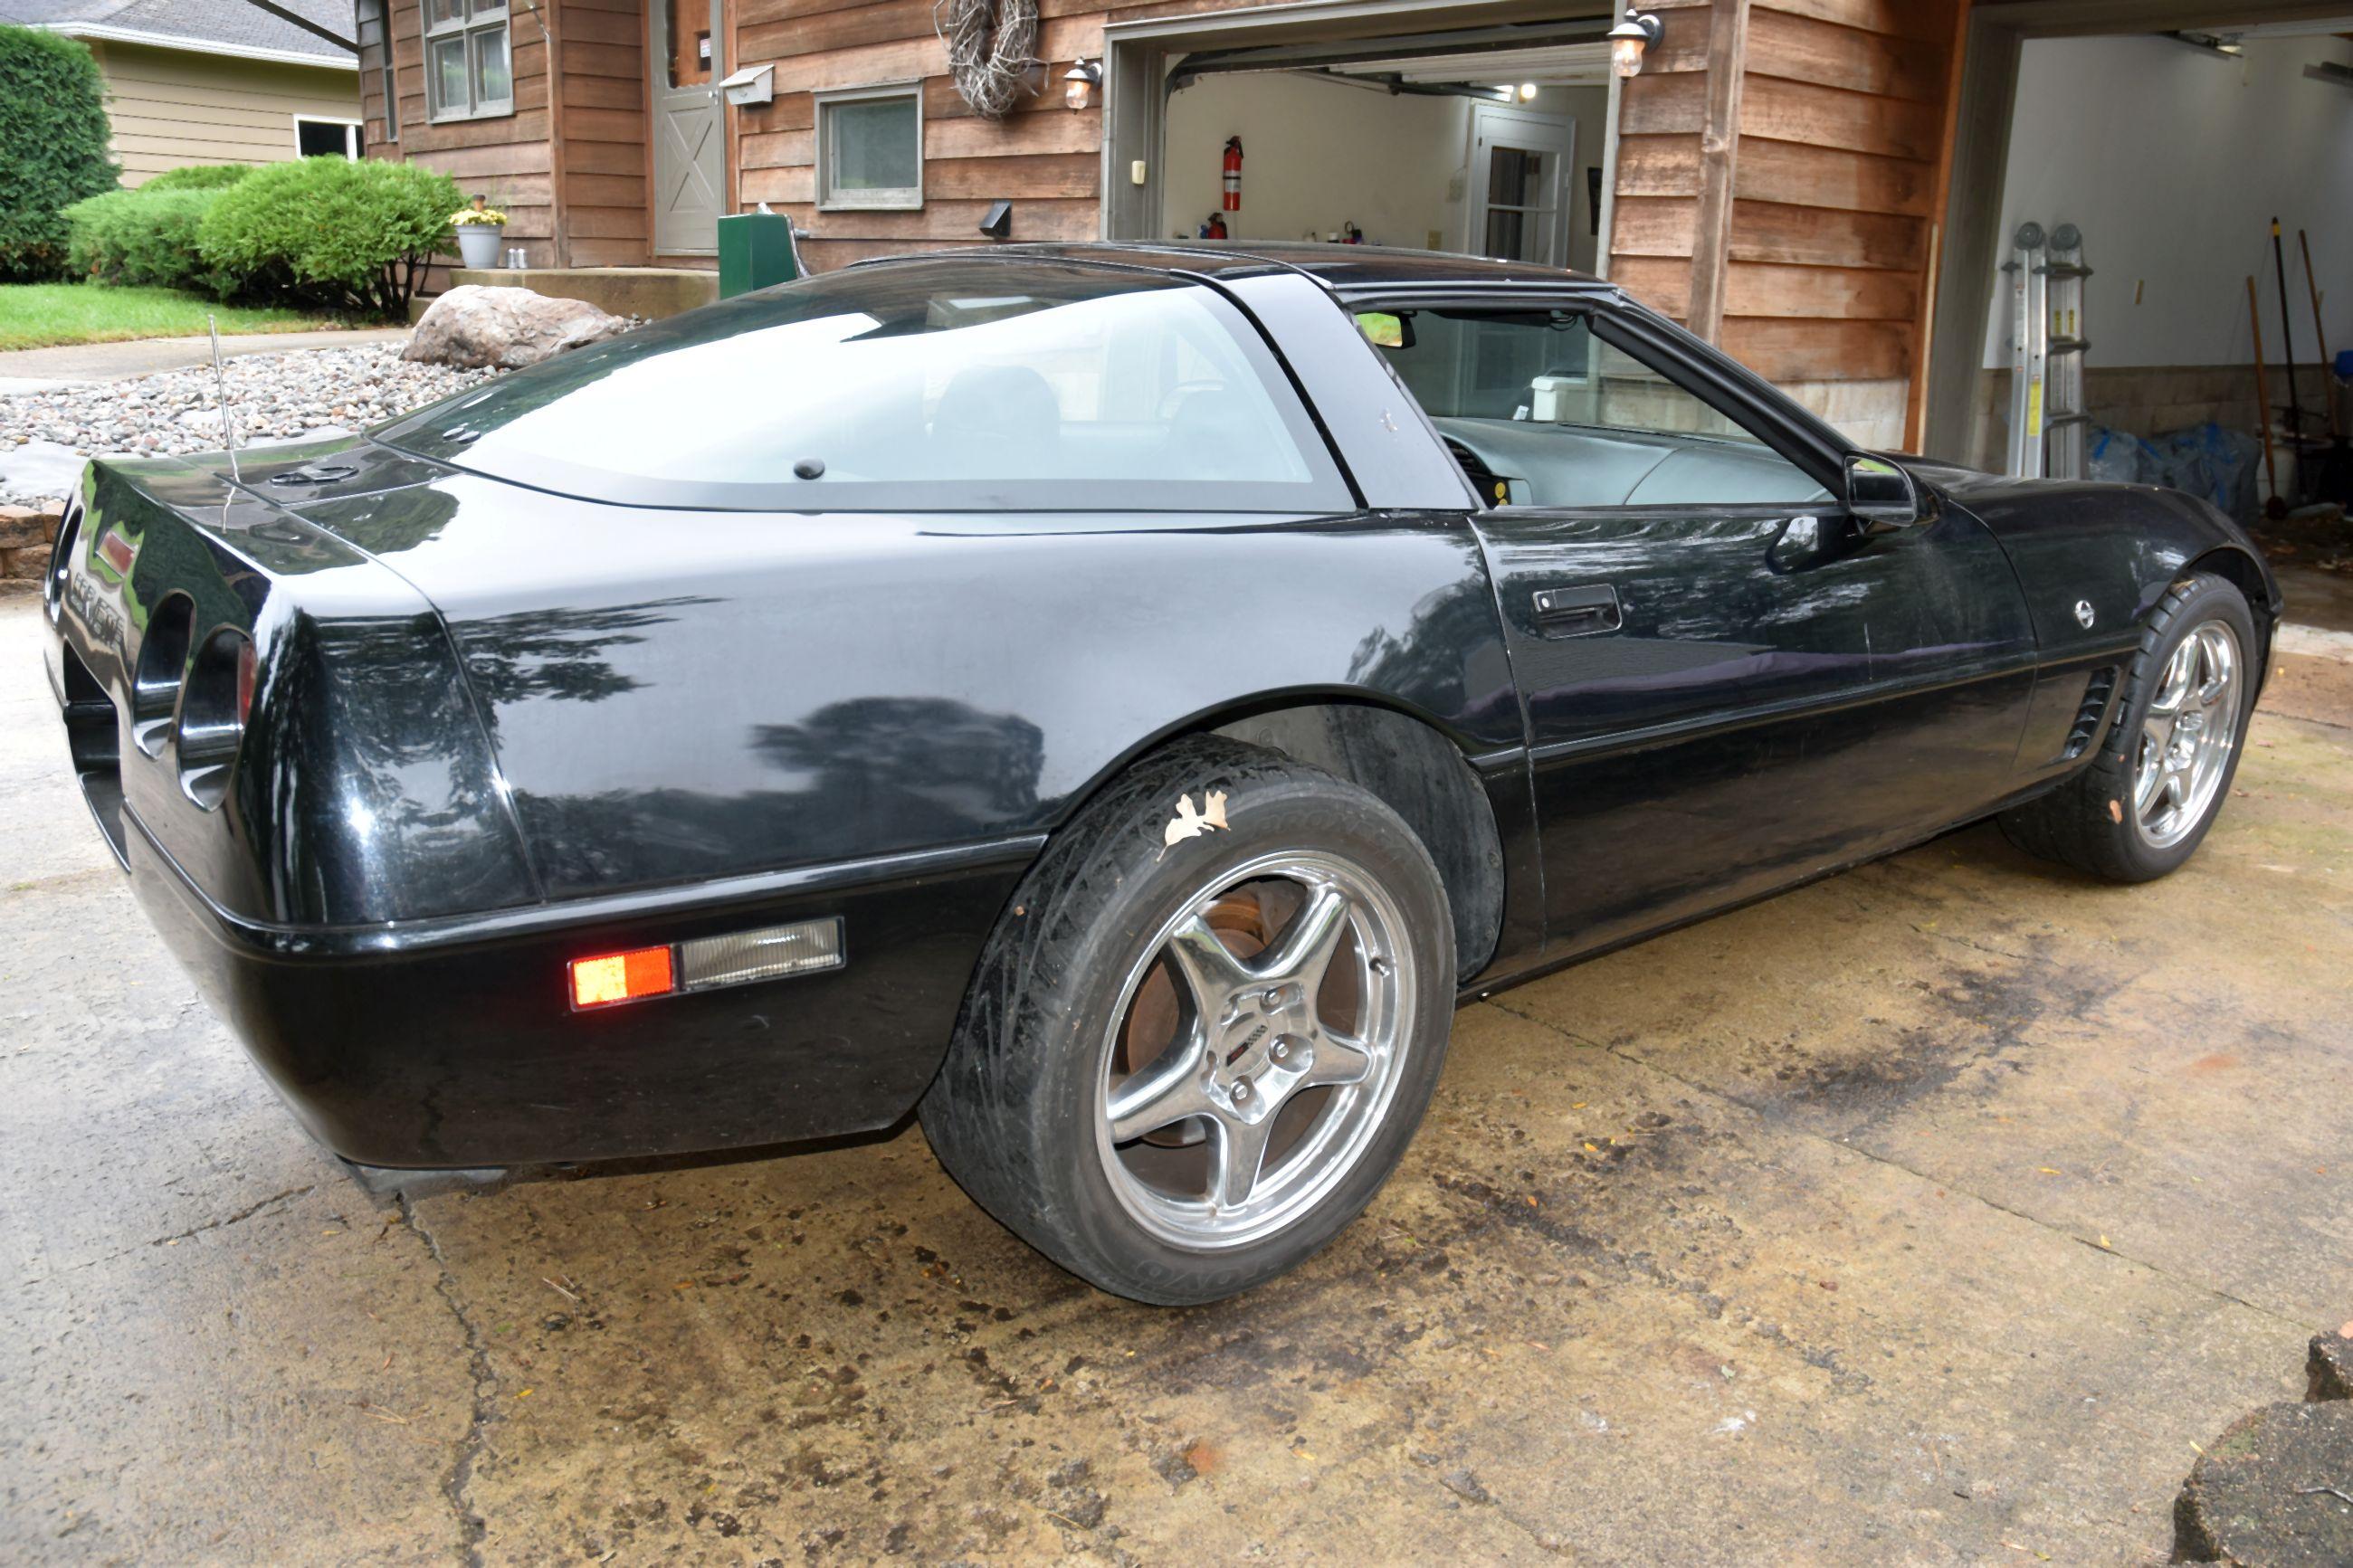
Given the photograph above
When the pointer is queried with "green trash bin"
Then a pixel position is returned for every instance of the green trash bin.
(755, 249)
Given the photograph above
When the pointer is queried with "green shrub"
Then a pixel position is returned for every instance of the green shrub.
(198, 177)
(53, 136)
(329, 231)
(143, 236)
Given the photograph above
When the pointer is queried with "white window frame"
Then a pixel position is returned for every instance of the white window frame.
(351, 132)
(469, 26)
(895, 199)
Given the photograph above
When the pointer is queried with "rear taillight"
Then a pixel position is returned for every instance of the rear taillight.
(213, 713)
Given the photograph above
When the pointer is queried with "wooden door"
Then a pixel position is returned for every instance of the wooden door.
(684, 55)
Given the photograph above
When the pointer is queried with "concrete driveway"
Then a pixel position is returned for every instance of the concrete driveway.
(1930, 1214)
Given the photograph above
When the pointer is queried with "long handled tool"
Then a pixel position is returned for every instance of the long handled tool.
(2320, 336)
(2295, 432)
(2332, 478)
(2275, 508)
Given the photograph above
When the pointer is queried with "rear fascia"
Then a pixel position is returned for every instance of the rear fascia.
(453, 1044)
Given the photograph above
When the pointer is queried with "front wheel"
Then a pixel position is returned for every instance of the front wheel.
(1207, 1027)
(2142, 807)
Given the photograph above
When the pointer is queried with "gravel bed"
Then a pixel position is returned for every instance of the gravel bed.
(271, 398)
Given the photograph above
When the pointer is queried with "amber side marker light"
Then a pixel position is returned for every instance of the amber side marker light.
(705, 963)
(613, 977)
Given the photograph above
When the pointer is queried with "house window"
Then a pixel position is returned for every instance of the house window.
(870, 147)
(467, 70)
(326, 138)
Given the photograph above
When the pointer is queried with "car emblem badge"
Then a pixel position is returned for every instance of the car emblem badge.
(2084, 614)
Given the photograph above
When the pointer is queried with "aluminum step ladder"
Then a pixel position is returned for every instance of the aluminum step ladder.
(2064, 419)
(2028, 350)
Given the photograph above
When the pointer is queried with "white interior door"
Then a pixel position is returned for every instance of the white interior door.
(690, 143)
(1519, 184)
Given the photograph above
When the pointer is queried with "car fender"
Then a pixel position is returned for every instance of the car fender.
(2095, 559)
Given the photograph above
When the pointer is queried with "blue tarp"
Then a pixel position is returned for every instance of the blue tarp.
(2205, 459)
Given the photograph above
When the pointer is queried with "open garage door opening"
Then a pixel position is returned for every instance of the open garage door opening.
(1492, 139)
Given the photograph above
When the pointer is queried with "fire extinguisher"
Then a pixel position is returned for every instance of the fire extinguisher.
(1233, 173)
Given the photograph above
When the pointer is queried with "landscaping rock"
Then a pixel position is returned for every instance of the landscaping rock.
(44, 435)
(2331, 1365)
(2275, 1491)
(25, 527)
(505, 329)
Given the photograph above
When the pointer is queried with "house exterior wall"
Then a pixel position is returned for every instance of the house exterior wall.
(508, 158)
(576, 142)
(1043, 157)
(1786, 156)
(169, 107)
(1780, 168)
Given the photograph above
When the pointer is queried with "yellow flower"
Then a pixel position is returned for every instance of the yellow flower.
(486, 215)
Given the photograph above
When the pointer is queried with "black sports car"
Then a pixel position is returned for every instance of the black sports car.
(1114, 701)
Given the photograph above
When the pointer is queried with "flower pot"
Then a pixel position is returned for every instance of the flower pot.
(478, 243)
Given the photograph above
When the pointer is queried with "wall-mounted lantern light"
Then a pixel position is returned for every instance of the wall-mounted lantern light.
(1634, 33)
(1079, 84)
(1527, 92)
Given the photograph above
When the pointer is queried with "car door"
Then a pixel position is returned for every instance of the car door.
(1730, 683)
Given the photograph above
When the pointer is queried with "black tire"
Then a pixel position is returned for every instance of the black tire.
(1014, 1112)
(2089, 822)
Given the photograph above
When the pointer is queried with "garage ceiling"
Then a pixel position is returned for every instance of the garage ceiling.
(1559, 65)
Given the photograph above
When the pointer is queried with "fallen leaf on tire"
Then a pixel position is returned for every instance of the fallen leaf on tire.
(2115, 811)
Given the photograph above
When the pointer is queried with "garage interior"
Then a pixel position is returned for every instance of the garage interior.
(1495, 152)
(2172, 150)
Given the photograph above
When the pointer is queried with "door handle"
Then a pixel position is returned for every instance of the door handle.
(1577, 611)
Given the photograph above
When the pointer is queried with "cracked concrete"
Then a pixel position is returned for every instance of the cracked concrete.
(1925, 1216)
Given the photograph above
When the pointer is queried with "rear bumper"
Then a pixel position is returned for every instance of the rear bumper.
(451, 1044)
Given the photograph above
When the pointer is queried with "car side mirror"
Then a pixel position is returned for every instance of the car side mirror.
(1879, 495)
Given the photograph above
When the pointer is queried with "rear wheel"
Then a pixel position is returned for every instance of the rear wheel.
(2143, 806)
(1206, 1028)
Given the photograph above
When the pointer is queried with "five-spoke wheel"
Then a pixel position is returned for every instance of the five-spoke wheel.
(1207, 1027)
(2139, 804)
(1254, 1049)
(2188, 735)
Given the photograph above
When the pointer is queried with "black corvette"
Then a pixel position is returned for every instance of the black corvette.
(1114, 700)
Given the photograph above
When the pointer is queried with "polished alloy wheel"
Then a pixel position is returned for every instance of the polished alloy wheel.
(2188, 735)
(1255, 1050)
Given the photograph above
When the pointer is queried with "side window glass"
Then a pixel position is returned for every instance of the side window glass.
(1540, 412)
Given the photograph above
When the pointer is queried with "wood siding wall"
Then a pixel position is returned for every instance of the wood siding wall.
(508, 158)
(1835, 154)
(1042, 157)
(604, 154)
(169, 107)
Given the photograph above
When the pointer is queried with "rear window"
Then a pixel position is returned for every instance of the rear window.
(949, 386)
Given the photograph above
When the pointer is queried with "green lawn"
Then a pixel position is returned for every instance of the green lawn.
(38, 315)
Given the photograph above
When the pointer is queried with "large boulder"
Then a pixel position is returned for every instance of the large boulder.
(471, 326)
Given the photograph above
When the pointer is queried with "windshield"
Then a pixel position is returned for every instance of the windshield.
(975, 384)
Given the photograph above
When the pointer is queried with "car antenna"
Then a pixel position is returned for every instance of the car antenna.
(220, 390)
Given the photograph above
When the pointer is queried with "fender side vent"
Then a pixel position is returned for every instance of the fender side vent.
(2086, 728)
